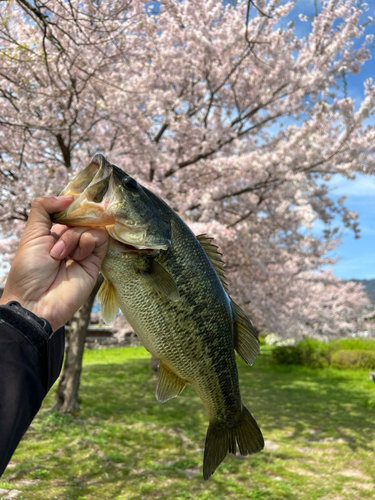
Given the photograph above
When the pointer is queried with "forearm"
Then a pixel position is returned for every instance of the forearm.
(30, 362)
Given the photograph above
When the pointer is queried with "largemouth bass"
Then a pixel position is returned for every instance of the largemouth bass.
(171, 288)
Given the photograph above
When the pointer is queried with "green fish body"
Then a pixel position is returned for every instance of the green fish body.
(170, 286)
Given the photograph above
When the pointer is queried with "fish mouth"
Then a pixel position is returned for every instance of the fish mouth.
(96, 204)
(96, 170)
(90, 192)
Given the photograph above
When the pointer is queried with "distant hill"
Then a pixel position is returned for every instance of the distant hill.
(369, 286)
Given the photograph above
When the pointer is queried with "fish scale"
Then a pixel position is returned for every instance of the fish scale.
(171, 329)
(170, 286)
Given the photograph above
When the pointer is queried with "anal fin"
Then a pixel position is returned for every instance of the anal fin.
(169, 385)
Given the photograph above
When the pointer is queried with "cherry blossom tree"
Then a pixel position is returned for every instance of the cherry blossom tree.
(219, 108)
(241, 126)
(54, 58)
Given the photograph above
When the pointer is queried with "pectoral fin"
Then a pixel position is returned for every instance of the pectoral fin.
(107, 297)
(246, 340)
(161, 281)
(169, 385)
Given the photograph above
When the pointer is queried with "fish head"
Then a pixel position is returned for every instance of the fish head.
(106, 196)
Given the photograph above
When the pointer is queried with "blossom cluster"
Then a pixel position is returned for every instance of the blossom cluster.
(237, 122)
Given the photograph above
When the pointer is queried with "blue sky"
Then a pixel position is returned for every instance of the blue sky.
(357, 256)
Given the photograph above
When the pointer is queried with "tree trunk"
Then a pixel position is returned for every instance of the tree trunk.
(67, 392)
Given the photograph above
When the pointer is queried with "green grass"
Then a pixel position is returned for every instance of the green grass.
(319, 427)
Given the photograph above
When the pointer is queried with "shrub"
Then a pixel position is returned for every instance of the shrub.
(315, 353)
(287, 355)
(308, 352)
(349, 360)
(319, 354)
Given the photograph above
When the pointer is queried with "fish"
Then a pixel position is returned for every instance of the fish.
(170, 286)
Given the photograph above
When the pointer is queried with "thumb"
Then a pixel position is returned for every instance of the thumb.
(39, 221)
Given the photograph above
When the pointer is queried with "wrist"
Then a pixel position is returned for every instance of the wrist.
(8, 297)
(30, 307)
(43, 313)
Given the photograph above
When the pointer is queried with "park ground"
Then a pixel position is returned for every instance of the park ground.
(319, 427)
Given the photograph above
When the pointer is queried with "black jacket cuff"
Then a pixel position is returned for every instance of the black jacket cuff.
(48, 344)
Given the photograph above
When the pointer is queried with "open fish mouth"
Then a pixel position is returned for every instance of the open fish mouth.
(98, 169)
(91, 192)
(101, 199)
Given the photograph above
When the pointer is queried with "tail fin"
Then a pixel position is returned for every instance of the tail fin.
(220, 441)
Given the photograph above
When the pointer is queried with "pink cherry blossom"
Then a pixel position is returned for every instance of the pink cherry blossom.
(239, 127)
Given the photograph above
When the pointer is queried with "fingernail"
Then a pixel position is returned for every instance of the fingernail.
(57, 249)
(76, 253)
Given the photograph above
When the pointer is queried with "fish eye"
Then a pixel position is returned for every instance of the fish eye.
(129, 182)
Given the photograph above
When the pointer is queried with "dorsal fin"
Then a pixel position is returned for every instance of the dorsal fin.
(246, 341)
(215, 257)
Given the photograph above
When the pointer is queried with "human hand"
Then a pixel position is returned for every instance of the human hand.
(55, 268)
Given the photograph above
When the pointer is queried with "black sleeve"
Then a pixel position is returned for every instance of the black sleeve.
(31, 356)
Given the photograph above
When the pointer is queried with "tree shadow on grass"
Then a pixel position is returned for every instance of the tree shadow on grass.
(315, 405)
(114, 395)
(127, 392)
(123, 438)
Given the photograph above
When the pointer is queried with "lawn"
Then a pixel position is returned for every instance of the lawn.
(319, 427)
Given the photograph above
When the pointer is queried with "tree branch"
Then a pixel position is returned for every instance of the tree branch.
(160, 133)
(64, 150)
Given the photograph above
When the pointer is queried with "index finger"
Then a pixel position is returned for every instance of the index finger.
(39, 220)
